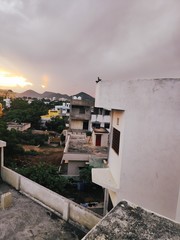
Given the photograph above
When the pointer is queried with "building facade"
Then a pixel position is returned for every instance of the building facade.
(80, 114)
(143, 163)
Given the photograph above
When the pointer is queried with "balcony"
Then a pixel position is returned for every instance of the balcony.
(104, 178)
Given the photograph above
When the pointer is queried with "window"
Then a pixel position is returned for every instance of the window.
(82, 110)
(107, 112)
(106, 125)
(96, 110)
(96, 124)
(116, 140)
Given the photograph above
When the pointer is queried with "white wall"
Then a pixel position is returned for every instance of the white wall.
(114, 159)
(149, 172)
(178, 208)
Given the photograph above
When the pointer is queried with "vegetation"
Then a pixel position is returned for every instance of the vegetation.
(85, 174)
(56, 124)
(46, 175)
(22, 111)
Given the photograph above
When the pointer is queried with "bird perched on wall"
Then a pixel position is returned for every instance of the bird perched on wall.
(98, 80)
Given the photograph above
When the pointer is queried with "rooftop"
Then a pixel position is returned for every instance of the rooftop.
(81, 144)
(128, 221)
(26, 219)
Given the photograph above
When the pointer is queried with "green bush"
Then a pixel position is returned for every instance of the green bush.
(88, 133)
(46, 175)
(32, 153)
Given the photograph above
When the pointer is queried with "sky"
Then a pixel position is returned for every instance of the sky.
(63, 46)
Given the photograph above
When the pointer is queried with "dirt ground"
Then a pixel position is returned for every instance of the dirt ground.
(49, 155)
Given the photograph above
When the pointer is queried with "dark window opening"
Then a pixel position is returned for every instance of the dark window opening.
(85, 125)
(106, 112)
(96, 125)
(82, 110)
(106, 125)
(116, 140)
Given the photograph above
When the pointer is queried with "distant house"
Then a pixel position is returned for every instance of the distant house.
(7, 102)
(79, 152)
(64, 108)
(100, 137)
(51, 114)
(18, 126)
(144, 153)
(80, 114)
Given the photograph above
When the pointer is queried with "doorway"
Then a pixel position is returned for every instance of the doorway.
(98, 139)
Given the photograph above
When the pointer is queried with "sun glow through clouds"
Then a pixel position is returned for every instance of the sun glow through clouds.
(8, 79)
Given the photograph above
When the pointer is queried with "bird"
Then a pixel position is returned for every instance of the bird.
(98, 80)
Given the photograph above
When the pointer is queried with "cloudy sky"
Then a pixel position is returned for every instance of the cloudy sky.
(64, 45)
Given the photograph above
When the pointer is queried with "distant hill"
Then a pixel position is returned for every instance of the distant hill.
(7, 93)
(52, 94)
(29, 94)
(33, 94)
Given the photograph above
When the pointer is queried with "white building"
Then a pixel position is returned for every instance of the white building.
(64, 108)
(144, 154)
(100, 118)
(7, 102)
(18, 126)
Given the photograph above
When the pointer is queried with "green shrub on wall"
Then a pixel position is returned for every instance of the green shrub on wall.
(45, 175)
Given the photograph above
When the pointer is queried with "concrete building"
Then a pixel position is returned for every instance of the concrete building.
(79, 151)
(64, 109)
(80, 114)
(100, 137)
(143, 162)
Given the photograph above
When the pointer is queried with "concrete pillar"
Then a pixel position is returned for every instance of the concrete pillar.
(106, 201)
(6, 200)
(66, 210)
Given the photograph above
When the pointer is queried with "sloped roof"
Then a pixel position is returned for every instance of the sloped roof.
(128, 221)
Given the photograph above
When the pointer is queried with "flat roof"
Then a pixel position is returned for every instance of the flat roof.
(128, 221)
(26, 219)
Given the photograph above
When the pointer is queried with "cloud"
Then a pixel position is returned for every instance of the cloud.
(8, 79)
(76, 41)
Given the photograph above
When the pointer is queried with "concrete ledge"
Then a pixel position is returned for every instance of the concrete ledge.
(10, 177)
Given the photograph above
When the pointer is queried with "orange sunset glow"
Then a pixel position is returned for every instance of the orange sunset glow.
(8, 79)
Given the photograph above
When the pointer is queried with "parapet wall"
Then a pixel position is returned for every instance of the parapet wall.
(67, 209)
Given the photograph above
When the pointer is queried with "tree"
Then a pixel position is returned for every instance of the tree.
(56, 124)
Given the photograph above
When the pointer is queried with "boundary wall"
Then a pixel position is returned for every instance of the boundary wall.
(65, 208)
